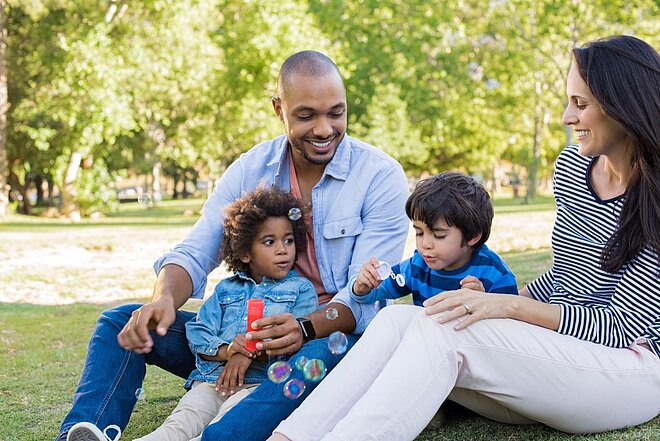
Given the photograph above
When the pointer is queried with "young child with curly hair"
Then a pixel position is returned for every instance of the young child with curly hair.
(260, 243)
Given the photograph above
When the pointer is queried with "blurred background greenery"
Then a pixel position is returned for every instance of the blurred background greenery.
(108, 98)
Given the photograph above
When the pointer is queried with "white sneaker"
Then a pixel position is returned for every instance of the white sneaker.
(89, 432)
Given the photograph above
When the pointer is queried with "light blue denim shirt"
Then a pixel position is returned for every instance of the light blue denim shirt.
(358, 212)
(224, 315)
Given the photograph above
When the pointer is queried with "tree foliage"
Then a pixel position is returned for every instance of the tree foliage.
(98, 88)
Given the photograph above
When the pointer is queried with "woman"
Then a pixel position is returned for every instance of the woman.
(579, 349)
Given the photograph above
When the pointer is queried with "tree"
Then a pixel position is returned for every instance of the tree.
(4, 103)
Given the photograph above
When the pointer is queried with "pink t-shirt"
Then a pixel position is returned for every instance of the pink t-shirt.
(306, 262)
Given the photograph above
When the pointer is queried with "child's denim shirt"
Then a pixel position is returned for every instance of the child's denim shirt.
(224, 315)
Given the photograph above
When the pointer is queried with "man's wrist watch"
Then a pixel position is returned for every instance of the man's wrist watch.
(307, 328)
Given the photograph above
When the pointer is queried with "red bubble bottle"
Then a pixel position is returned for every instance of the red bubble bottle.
(255, 312)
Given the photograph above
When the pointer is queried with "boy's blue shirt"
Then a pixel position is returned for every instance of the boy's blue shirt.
(424, 282)
(224, 315)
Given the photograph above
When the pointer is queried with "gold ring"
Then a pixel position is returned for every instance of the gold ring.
(467, 309)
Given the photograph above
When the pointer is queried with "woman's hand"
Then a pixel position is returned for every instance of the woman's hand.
(470, 306)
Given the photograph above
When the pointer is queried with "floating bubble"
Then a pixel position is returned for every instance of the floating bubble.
(384, 269)
(294, 388)
(295, 213)
(337, 342)
(300, 362)
(331, 313)
(279, 371)
(140, 394)
(314, 370)
(400, 280)
(145, 200)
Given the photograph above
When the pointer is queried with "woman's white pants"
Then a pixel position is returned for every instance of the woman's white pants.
(389, 386)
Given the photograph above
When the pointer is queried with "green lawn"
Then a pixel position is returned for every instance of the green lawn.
(107, 261)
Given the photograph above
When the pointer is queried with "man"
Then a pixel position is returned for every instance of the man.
(357, 195)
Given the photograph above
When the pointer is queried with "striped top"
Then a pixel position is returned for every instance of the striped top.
(424, 282)
(610, 309)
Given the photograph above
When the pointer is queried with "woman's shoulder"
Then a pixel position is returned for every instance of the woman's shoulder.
(571, 163)
(571, 155)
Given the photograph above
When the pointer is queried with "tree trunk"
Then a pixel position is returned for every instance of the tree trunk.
(20, 185)
(69, 193)
(155, 185)
(532, 176)
(39, 187)
(51, 187)
(4, 108)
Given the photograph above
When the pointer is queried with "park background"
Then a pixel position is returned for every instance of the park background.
(102, 101)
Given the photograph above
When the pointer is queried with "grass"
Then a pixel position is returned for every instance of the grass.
(78, 270)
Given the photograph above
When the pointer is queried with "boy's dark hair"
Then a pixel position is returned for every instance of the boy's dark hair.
(246, 215)
(459, 199)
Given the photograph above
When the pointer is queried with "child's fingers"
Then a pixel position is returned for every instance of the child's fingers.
(218, 383)
(227, 383)
(471, 282)
(241, 350)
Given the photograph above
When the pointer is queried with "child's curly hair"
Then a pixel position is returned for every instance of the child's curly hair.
(246, 215)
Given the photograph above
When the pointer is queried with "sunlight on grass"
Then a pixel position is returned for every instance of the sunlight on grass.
(108, 261)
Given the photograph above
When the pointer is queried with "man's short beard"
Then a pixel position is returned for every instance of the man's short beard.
(316, 161)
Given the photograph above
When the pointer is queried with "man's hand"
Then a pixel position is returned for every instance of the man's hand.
(159, 315)
(284, 332)
(233, 374)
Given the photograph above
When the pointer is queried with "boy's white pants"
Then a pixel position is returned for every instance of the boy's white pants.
(198, 408)
(389, 386)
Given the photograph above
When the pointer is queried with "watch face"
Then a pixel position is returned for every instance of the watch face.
(307, 328)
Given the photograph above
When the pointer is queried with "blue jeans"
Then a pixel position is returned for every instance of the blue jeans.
(111, 375)
(257, 415)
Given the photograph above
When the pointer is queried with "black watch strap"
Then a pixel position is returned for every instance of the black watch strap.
(307, 328)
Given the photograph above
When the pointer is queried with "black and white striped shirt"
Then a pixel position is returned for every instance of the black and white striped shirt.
(610, 309)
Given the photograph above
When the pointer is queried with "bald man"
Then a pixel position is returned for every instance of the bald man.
(357, 195)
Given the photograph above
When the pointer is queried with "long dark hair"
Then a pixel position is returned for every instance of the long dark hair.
(623, 74)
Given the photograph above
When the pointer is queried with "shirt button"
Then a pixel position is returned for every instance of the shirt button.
(343, 231)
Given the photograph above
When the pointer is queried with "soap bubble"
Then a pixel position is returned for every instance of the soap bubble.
(314, 370)
(400, 280)
(337, 342)
(300, 362)
(295, 213)
(331, 313)
(140, 394)
(145, 200)
(279, 371)
(294, 388)
(384, 269)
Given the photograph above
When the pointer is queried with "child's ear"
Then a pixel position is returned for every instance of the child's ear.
(474, 240)
(245, 259)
